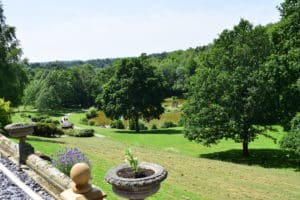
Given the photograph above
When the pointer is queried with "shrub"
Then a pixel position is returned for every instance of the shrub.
(46, 130)
(84, 121)
(142, 126)
(295, 122)
(39, 118)
(91, 113)
(132, 125)
(168, 124)
(91, 123)
(117, 124)
(66, 158)
(80, 132)
(51, 121)
(291, 141)
(153, 127)
(4, 113)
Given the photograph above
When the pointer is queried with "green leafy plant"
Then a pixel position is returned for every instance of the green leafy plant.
(132, 161)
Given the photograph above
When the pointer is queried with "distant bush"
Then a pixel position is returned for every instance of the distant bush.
(84, 121)
(49, 120)
(117, 124)
(65, 159)
(291, 141)
(91, 113)
(132, 125)
(153, 127)
(101, 119)
(46, 130)
(39, 118)
(80, 132)
(168, 124)
(91, 122)
(295, 122)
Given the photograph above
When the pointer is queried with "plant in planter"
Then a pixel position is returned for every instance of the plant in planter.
(135, 180)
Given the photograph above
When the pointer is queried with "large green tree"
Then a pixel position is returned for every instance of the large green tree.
(13, 77)
(134, 92)
(231, 93)
(284, 63)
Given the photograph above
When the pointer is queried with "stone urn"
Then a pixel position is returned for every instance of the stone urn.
(136, 188)
(21, 130)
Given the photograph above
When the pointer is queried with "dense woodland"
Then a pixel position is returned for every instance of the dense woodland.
(248, 76)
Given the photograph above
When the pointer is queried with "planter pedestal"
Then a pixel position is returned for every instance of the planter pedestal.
(136, 188)
(20, 131)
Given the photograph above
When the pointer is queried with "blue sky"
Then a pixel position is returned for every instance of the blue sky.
(86, 29)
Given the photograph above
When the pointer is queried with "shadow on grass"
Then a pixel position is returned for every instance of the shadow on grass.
(268, 158)
(160, 131)
(44, 140)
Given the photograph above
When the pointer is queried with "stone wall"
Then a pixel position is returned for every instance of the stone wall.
(40, 170)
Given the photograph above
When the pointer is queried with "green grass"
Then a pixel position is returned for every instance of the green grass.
(195, 172)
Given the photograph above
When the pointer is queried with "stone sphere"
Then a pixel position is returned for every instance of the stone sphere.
(80, 173)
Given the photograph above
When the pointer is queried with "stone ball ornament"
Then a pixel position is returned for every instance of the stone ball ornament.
(80, 174)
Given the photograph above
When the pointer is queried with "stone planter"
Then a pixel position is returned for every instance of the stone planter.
(19, 130)
(136, 188)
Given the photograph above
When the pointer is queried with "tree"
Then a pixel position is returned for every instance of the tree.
(13, 77)
(85, 84)
(284, 63)
(133, 92)
(231, 93)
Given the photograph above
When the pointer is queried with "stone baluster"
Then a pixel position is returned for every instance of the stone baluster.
(81, 189)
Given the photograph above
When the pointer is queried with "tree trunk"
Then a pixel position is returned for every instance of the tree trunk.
(246, 142)
(245, 149)
(137, 127)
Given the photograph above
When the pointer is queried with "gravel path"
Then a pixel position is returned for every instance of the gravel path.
(8, 190)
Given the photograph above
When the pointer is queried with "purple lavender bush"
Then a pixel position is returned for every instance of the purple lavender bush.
(66, 158)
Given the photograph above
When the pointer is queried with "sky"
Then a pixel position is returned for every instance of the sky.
(51, 30)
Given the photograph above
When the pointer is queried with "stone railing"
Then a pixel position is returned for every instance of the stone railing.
(41, 171)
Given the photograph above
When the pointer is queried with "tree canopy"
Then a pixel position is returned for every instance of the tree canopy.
(13, 78)
(231, 92)
(284, 63)
(135, 91)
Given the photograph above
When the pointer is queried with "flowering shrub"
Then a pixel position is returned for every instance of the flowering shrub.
(66, 158)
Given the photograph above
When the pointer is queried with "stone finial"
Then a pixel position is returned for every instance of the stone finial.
(81, 189)
(81, 174)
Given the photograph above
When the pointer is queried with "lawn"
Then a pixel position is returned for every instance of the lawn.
(195, 172)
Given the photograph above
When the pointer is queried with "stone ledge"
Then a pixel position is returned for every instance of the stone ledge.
(50, 178)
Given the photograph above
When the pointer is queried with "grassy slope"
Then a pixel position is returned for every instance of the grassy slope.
(225, 175)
